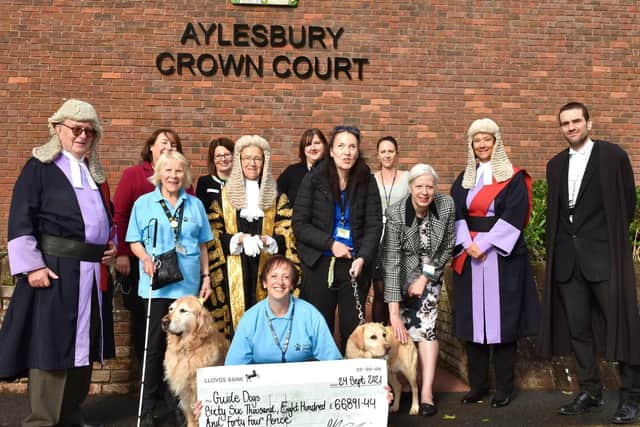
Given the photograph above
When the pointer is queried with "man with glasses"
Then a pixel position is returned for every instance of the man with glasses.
(249, 223)
(59, 244)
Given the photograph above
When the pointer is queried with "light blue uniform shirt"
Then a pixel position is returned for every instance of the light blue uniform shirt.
(310, 337)
(195, 230)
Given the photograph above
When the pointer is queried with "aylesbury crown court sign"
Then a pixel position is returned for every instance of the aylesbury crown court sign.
(276, 37)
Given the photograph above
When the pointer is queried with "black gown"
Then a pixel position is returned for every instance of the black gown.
(39, 328)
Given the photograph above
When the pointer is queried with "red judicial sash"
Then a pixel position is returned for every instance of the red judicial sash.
(480, 206)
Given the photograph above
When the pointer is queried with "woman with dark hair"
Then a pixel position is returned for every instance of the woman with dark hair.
(133, 184)
(337, 224)
(312, 148)
(303, 333)
(219, 163)
(393, 185)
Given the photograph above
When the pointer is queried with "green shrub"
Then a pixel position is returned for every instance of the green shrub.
(535, 232)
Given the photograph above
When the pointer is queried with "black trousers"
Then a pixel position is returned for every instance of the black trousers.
(135, 304)
(504, 365)
(315, 290)
(580, 298)
(155, 388)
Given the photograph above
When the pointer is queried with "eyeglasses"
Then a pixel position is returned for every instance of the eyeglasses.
(350, 129)
(256, 160)
(77, 130)
(222, 156)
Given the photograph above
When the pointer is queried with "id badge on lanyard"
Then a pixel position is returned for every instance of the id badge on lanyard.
(343, 233)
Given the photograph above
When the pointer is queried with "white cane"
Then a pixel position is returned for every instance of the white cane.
(146, 332)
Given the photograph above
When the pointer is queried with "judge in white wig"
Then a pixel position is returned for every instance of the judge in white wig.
(59, 243)
(251, 224)
(495, 298)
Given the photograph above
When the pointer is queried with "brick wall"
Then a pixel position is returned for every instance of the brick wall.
(433, 67)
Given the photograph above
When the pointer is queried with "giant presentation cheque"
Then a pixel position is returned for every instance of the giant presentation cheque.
(339, 393)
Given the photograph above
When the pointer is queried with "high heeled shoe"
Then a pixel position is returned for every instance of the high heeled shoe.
(428, 410)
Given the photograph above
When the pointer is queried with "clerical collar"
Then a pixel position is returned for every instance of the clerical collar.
(76, 175)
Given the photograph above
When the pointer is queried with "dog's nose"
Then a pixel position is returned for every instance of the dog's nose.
(165, 323)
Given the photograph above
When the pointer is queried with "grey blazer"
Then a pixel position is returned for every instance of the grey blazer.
(401, 242)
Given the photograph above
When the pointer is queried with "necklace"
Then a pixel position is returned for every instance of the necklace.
(285, 345)
(387, 196)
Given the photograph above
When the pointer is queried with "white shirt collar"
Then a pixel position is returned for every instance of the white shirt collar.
(585, 150)
(76, 176)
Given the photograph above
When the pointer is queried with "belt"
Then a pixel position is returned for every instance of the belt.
(481, 224)
(67, 248)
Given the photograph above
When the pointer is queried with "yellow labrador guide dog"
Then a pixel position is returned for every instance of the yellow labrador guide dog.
(375, 341)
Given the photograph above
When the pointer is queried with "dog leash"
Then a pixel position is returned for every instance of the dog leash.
(354, 285)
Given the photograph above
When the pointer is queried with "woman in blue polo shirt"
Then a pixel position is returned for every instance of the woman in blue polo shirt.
(181, 225)
(281, 328)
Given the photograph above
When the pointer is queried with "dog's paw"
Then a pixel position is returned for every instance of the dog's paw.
(394, 407)
(414, 410)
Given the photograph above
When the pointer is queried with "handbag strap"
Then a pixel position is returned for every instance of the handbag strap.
(174, 220)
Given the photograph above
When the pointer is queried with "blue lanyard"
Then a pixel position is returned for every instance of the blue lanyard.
(285, 344)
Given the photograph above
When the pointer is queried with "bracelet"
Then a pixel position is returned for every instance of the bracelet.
(202, 276)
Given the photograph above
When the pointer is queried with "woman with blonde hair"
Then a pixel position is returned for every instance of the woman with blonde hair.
(165, 220)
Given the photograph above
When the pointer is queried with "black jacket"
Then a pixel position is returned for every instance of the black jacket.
(313, 215)
(617, 336)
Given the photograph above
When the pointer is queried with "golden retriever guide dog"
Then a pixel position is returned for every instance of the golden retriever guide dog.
(192, 343)
(375, 341)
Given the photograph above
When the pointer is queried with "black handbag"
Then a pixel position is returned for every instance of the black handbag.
(167, 270)
(166, 266)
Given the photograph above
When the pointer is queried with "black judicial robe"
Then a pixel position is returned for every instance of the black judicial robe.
(618, 337)
(236, 284)
(39, 328)
(519, 311)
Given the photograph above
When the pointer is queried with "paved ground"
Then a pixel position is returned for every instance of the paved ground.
(531, 408)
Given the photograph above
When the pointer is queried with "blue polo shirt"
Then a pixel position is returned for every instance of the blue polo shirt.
(310, 337)
(195, 230)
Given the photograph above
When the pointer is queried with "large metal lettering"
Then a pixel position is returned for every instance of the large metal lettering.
(245, 64)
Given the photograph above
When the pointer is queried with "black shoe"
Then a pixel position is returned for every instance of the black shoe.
(87, 425)
(499, 402)
(626, 413)
(181, 421)
(583, 403)
(474, 396)
(147, 419)
(428, 410)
